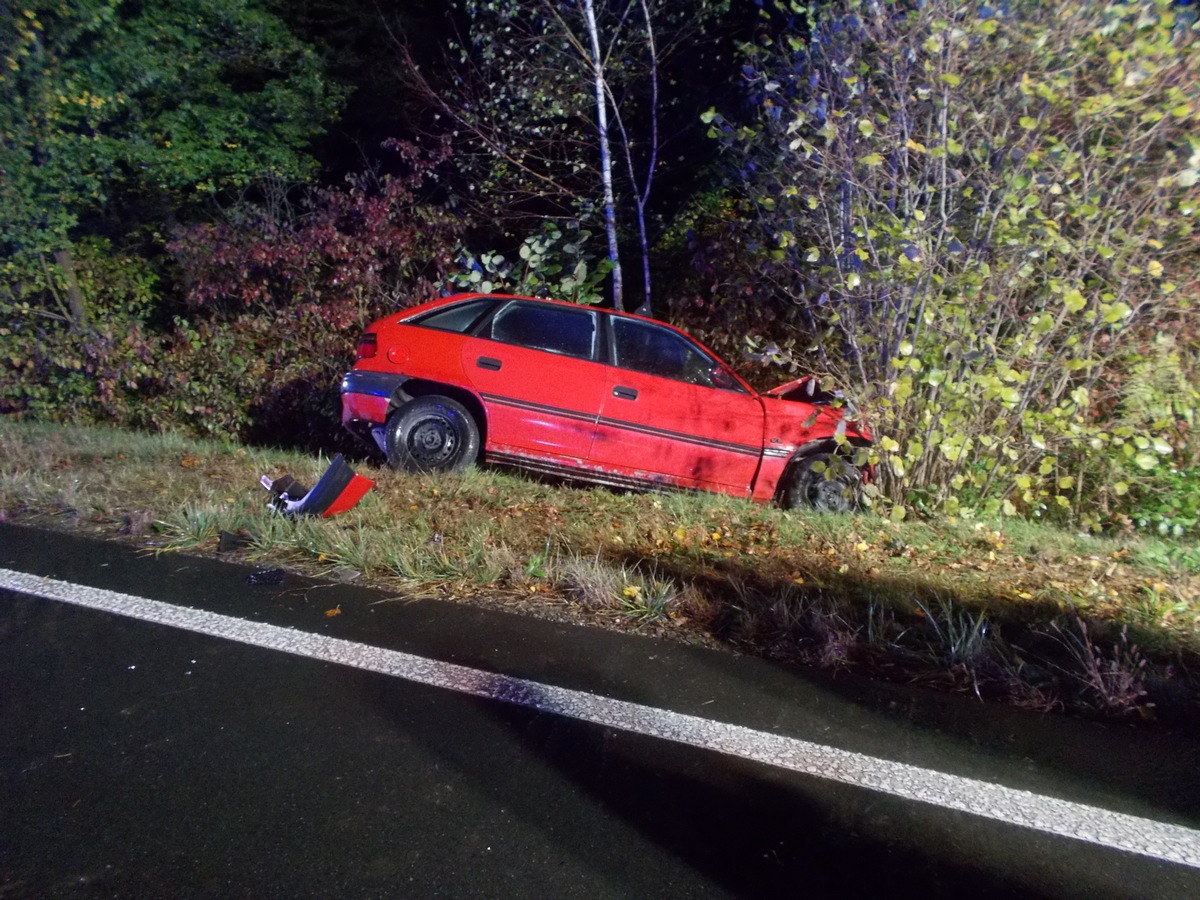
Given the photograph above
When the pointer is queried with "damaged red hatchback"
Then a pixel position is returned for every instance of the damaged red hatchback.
(592, 395)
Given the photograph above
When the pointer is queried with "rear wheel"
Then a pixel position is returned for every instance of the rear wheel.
(432, 434)
(826, 482)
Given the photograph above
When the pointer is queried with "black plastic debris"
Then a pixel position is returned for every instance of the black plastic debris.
(265, 576)
(339, 489)
(228, 542)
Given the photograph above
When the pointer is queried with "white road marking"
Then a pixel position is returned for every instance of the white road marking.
(1132, 834)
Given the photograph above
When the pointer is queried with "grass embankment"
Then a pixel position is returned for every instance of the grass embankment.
(1026, 614)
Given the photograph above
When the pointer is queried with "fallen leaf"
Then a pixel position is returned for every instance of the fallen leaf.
(336, 611)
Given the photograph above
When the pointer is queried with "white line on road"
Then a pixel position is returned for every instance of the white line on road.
(1133, 834)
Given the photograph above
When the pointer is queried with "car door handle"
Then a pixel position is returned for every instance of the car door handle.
(486, 362)
(624, 393)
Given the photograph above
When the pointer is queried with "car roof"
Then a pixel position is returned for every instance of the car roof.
(458, 298)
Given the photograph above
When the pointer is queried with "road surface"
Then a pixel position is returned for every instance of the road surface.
(169, 730)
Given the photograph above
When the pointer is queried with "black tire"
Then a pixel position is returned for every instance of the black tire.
(826, 482)
(432, 434)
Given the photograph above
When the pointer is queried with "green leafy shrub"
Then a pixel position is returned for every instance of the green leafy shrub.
(1170, 505)
(547, 265)
(977, 221)
(52, 369)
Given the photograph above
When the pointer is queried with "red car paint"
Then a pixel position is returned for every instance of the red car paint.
(591, 394)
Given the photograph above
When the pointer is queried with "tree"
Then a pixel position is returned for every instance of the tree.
(974, 215)
(545, 97)
(165, 103)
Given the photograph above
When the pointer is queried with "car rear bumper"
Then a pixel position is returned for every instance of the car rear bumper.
(366, 400)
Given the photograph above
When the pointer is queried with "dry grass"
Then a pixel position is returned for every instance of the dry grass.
(945, 600)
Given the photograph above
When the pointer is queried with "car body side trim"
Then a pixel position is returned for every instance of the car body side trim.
(743, 449)
(583, 473)
(540, 407)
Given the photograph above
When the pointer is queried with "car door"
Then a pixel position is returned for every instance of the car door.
(535, 369)
(672, 412)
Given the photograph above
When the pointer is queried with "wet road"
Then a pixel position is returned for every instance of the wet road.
(141, 759)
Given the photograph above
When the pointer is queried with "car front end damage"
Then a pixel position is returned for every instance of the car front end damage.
(814, 452)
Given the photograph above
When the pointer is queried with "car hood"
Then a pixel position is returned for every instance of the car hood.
(829, 405)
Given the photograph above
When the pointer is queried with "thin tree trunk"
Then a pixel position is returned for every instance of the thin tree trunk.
(644, 196)
(66, 262)
(610, 212)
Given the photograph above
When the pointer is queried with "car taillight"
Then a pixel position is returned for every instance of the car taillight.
(368, 346)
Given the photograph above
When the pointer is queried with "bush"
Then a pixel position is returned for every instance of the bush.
(977, 220)
(277, 296)
(50, 367)
(281, 290)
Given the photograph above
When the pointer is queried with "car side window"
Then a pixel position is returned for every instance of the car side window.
(647, 348)
(458, 317)
(552, 328)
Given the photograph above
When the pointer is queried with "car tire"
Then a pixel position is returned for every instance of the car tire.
(825, 482)
(432, 434)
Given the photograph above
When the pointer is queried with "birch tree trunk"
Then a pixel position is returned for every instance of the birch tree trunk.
(610, 211)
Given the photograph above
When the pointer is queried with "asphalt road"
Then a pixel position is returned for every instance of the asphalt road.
(214, 748)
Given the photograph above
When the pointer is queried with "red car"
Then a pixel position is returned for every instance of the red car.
(592, 395)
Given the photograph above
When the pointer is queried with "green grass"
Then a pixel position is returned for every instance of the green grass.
(945, 601)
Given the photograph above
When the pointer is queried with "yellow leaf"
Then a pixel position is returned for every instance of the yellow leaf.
(632, 591)
(336, 611)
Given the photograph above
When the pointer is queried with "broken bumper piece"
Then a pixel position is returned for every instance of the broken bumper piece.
(339, 489)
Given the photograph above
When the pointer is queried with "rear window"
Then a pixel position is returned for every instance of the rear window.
(554, 328)
(459, 317)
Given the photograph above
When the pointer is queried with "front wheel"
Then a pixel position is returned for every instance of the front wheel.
(432, 434)
(826, 482)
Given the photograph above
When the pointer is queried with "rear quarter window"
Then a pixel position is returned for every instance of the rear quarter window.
(459, 317)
